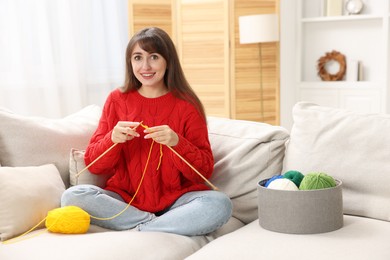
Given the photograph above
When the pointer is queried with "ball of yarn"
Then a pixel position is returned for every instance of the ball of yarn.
(294, 176)
(68, 220)
(315, 181)
(275, 177)
(282, 184)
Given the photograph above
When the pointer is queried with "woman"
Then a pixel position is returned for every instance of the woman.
(155, 108)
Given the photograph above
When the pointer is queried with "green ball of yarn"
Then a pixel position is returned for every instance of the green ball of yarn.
(316, 181)
(294, 176)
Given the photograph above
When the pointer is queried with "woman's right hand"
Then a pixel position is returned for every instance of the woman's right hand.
(124, 131)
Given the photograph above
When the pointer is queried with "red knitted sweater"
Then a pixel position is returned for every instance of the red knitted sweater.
(164, 184)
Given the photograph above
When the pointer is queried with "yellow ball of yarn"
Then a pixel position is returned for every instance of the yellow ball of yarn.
(68, 220)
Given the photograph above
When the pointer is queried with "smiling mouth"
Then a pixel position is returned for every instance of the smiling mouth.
(147, 75)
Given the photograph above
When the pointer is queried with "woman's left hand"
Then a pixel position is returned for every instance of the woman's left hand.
(162, 134)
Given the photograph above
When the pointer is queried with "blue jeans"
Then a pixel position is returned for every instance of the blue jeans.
(194, 213)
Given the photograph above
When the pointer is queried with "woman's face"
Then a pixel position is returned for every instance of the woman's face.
(148, 68)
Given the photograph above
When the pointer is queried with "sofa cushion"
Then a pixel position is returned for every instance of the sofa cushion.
(360, 238)
(34, 141)
(27, 194)
(349, 146)
(77, 165)
(113, 245)
(245, 152)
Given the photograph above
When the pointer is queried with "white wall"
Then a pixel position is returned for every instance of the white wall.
(287, 61)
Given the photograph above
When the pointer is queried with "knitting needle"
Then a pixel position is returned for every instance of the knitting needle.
(105, 152)
(184, 160)
(89, 165)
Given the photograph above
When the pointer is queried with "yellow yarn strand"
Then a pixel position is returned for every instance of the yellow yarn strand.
(100, 156)
(185, 161)
(135, 193)
(161, 155)
(22, 236)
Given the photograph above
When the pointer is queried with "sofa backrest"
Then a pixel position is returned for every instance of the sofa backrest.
(352, 147)
(34, 141)
(245, 152)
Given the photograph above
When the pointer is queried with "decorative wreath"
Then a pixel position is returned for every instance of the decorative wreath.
(329, 56)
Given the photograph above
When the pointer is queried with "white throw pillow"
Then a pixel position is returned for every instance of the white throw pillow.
(34, 141)
(77, 164)
(349, 146)
(26, 195)
(245, 152)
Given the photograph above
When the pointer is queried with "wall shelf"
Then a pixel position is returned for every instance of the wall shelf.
(362, 37)
(307, 34)
(341, 18)
(341, 85)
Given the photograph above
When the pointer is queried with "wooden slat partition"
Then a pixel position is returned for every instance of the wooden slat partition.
(203, 40)
(146, 13)
(246, 78)
(224, 73)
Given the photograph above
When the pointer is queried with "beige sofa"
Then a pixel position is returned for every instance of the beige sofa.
(40, 157)
(349, 146)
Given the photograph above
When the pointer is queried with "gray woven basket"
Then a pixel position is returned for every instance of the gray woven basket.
(300, 212)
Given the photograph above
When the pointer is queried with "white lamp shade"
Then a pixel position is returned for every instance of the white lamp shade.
(259, 28)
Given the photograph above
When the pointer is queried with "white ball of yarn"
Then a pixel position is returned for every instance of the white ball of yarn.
(282, 184)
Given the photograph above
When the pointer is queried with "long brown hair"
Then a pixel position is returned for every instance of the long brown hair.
(156, 40)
